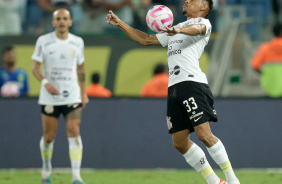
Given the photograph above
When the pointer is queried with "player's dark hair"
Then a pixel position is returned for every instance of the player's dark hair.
(277, 30)
(160, 68)
(95, 78)
(210, 6)
(7, 49)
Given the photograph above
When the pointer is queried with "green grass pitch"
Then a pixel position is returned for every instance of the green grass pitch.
(31, 176)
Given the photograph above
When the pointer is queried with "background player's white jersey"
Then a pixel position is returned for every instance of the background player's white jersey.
(60, 59)
(184, 52)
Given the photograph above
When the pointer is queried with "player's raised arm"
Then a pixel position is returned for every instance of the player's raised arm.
(134, 34)
(192, 30)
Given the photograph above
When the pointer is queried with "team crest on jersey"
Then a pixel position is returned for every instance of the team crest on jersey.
(49, 109)
(169, 124)
(72, 53)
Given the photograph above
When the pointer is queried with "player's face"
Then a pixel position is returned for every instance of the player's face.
(9, 58)
(191, 7)
(62, 21)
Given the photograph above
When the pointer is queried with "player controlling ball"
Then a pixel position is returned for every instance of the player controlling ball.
(190, 101)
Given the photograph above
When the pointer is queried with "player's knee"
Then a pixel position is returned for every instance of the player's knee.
(180, 146)
(205, 138)
(73, 132)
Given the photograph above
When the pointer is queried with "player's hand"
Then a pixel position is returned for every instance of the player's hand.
(171, 31)
(112, 18)
(84, 99)
(51, 89)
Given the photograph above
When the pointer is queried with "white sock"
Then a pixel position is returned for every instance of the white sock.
(75, 150)
(46, 150)
(219, 155)
(196, 158)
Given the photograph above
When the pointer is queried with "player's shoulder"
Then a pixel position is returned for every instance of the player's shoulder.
(75, 37)
(2, 70)
(198, 20)
(201, 20)
(21, 71)
(46, 37)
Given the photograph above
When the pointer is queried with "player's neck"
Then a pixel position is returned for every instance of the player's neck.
(62, 36)
(10, 68)
(194, 16)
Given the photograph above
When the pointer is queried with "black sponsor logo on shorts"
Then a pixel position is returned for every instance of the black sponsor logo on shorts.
(175, 70)
(65, 93)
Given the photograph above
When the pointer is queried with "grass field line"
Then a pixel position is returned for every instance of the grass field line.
(88, 170)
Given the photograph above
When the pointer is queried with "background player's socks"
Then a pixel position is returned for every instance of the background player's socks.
(46, 155)
(75, 150)
(219, 155)
(196, 158)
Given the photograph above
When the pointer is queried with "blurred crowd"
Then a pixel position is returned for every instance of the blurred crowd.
(34, 16)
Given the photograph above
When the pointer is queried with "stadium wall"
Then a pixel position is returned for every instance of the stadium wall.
(132, 133)
(124, 65)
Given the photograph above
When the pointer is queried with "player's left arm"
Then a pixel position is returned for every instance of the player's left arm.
(81, 78)
(192, 30)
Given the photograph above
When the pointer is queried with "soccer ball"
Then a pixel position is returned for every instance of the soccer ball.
(159, 17)
(10, 89)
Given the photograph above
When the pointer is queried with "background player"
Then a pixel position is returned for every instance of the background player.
(13, 80)
(190, 102)
(62, 56)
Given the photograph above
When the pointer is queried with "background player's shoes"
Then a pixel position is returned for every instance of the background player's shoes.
(48, 180)
(78, 182)
(222, 182)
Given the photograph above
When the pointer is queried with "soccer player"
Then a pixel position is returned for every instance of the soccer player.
(62, 56)
(11, 75)
(190, 101)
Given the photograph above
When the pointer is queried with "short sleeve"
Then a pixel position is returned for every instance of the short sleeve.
(163, 39)
(207, 23)
(38, 52)
(81, 58)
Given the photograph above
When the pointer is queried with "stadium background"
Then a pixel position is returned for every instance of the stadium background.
(130, 132)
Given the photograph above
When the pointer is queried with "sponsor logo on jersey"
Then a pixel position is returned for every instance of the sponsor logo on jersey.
(62, 56)
(65, 93)
(169, 124)
(175, 41)
(52, 52)
(173, 52)
(174, 71)
(214, 112)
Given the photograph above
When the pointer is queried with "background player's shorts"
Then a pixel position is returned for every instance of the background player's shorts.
(55, 111)
(189, 104)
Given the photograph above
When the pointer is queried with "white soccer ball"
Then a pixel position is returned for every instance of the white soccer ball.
(159, 17)
(10, 89)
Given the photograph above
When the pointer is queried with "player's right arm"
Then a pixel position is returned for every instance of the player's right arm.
(136, 35)
(37, 73)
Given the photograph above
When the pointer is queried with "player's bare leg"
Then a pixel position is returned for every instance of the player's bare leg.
(194, 156)
(73, 120)
(217, 151)
(49, 125)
